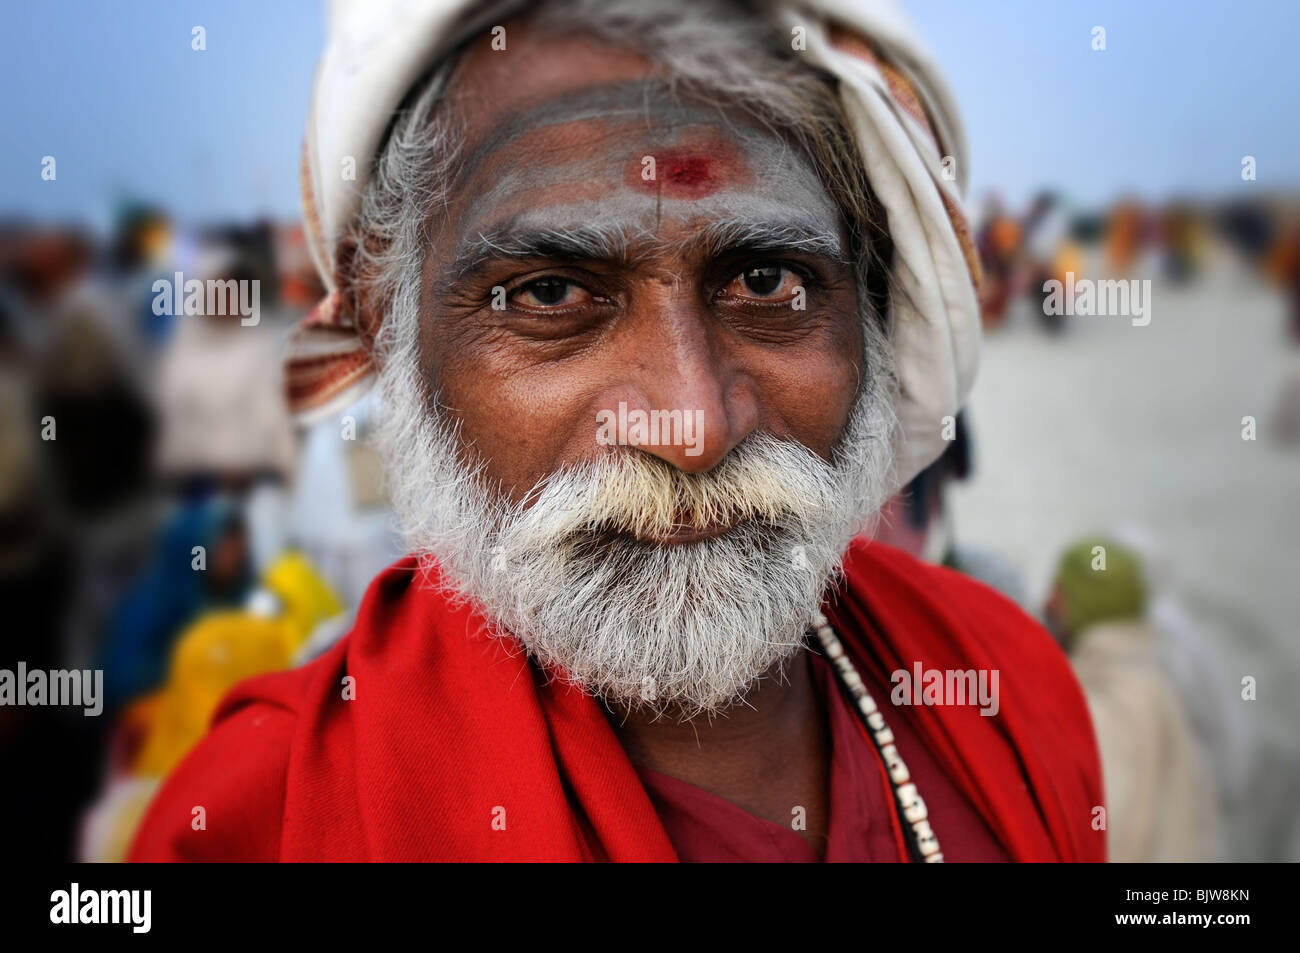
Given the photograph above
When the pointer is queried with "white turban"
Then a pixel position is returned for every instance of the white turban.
(901, 115)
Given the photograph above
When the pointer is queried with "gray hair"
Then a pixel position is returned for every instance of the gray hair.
(724, 52)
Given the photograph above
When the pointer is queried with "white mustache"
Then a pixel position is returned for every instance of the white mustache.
(763, 480)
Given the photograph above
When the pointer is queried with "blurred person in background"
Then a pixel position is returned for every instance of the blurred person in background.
(1196, 664)
(144, 249)
(1250, 229)
(916, 519)
(1049, 253)
(1161, 795)
(46, 752)
(1126, 230)
(100, 463)
(919, 520)
(221, 399)
(998, 242)
(223, 430)
(201, 562)
(1283, 267)
(1183, 239)
(77, 444)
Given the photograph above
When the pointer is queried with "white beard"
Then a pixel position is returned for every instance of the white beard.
(688, 627)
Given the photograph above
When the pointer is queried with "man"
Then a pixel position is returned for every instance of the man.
(664, 300)
(1162, 795)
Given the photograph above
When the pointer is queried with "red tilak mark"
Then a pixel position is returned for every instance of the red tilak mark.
(687, 172)
(680, 174)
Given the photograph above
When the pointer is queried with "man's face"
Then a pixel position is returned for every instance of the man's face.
(645, 254)
(648, 251)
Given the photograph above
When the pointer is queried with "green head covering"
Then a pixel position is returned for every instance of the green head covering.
(1093, 594)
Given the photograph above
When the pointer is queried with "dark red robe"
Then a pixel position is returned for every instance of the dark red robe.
(456, 749)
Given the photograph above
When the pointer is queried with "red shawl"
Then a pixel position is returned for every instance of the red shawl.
(455, 749)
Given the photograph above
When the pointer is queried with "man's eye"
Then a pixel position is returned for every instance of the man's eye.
(767, 282)
(550, 293)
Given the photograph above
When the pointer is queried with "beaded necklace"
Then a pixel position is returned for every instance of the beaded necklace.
(922, 843)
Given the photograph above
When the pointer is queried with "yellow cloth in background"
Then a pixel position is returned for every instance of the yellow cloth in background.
(224, 648)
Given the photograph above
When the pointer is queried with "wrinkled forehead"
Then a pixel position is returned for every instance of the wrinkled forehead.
(621, 147)
(643, 133)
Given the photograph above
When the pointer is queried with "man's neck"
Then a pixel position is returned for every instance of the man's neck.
(769, 754)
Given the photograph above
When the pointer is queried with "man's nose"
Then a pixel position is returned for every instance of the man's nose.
(694, 400)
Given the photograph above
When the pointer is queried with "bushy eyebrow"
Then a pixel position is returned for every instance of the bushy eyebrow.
(593, 242)
(598, 242)
(796, 234)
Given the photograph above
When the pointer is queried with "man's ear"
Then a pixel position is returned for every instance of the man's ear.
(355, 286)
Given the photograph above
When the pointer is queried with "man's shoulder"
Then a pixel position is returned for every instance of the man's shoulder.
(1035, 754)
(936, 611)
(224, 800)
(892, 580)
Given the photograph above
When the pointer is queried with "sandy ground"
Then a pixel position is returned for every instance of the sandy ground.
(1139, 429)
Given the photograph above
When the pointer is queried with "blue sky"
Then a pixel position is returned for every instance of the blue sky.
(115, 93)
(1181, 93)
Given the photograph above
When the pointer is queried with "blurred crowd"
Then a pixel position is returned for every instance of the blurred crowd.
(1019, 254)
(164, 521)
